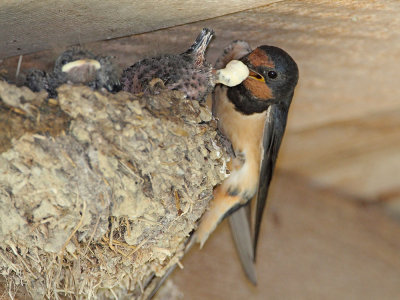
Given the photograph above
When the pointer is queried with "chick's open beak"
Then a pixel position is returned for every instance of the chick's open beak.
(81, 63)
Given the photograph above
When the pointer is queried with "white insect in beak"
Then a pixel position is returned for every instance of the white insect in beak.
(234, 73)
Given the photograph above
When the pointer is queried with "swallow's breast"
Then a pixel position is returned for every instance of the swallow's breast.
(245, 133)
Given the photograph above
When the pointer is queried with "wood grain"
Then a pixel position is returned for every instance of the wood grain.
(27, 26)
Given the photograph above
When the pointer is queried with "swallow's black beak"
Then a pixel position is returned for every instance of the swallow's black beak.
(255, 75)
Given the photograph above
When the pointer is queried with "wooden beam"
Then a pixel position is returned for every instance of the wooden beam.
(27, 26)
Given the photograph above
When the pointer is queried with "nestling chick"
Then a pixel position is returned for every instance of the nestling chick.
(187, 72)
(75, 66)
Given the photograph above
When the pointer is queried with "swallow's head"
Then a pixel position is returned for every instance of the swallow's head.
(272, 79)
(273, 73)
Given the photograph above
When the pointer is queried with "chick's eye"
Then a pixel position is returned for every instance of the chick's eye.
(272, 74)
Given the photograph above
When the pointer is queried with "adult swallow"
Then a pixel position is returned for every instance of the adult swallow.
(252, 116)
(187, 72)
(76, 66)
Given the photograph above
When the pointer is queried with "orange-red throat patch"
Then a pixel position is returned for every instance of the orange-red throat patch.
(254, 84)
(258, 88)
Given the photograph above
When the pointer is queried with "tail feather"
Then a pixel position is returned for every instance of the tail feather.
(241, 232)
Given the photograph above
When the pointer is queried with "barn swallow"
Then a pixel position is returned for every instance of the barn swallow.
(76, 66)
(188, 72)
(252, 116)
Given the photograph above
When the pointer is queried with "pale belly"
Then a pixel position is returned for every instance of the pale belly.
(245, 133)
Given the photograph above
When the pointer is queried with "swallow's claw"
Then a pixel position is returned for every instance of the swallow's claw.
(233, 191)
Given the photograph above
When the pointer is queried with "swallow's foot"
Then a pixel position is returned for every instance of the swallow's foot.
(243, 181)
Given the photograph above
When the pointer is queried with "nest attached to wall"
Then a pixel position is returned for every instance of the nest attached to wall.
(99, 191)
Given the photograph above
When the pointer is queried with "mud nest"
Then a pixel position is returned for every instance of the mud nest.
(99, 191)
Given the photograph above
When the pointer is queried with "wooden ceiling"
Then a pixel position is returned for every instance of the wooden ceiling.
(27, 26)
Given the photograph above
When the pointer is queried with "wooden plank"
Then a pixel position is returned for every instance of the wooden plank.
(358, 157)
(27, 26)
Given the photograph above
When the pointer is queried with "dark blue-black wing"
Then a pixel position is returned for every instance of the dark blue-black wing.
(274, 129)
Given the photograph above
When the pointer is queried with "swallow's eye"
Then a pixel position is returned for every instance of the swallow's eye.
(272, 74)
